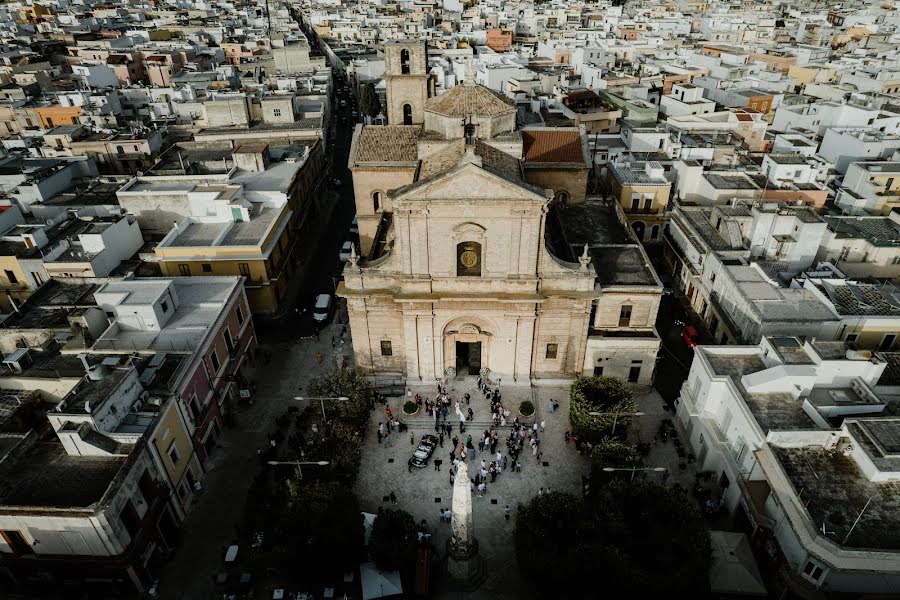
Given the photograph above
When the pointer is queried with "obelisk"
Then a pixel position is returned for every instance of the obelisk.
(465, 567)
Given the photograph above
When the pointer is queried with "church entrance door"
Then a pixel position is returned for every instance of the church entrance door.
(468, 357)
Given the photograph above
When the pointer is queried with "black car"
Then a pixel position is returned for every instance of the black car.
(424, 451)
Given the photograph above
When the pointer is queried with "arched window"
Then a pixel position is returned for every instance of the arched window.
(468, 259)
(654, 232)
(404, 62)
(407, 114)
(562, 197)
(377, 198)
(638, 227)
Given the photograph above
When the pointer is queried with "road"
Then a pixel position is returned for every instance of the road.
(213, 520)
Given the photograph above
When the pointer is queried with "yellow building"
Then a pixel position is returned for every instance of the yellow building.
(247, 238)
(171, 442)
(642, 191)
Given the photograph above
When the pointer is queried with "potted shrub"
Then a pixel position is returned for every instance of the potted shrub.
(485, 373)
(526, 408)
(410, 407)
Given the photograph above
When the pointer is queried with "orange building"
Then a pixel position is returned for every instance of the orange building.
(51, 116)
(499, 40)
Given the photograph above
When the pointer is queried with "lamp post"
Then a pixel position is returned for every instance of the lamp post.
(297, 464)
(322, 400)
(635, 469)
(616, 417)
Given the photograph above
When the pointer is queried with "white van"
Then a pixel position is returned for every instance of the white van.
(322, 308)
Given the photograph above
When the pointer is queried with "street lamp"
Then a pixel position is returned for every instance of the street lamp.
(322, 402)
(616, 417)
(297, 464)
(634, 469)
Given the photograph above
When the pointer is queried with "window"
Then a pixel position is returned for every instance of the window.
(648, 202)
(207, 267)
(852, 337)
(16, 542)
(625, 315)
(654, 232)
(185, 270)
(244, 269)
(164, 306)
(229, 343)
(240, 315)
(386, 349)
(404, 62)
(11, 277)
(598, 371)
(130, 518)
(551, 351)
(148, 487)
(276, 112)
(195, 407)
(174, 457)
(214, 359)
(845, 251)
(635, 202)
(813, 571)
(468, 259)
(407, 114)
(376, 201)
(182, 491)
(634, 374)
(120, 150)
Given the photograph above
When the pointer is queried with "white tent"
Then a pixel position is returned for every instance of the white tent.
(379, 584)
(733, 569)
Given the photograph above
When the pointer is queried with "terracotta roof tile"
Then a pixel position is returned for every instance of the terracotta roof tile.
(464, 100)
(388, 143)
(552, 146)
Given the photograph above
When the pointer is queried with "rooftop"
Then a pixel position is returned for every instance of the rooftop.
(45, 476)
(834, 491)
(388, 143)
(553, 146)
(879, 231)
(465, 100)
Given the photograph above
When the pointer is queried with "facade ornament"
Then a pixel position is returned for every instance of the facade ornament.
(585, 259)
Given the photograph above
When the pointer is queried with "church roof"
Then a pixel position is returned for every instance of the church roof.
(464, 100)
(552, 146)
(388, 143)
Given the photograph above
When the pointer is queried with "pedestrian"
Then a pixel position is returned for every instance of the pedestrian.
(332, 342)
(412, 440)
(393, 497)
(442, 439)
(498, 457)
(437, 464)
(542, 426)
(552, 406)
(379, 433)
(481, 445)
(319, 357)
(439, 387)
(482, 489)
(455, 441)
(506, 512)
(534, 427)
(567, 438)
(518, 466)
(540, 492)
(409, 465)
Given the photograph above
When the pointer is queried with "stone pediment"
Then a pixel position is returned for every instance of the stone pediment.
(467, 181)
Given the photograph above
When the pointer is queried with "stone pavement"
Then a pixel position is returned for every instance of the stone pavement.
(424, 491)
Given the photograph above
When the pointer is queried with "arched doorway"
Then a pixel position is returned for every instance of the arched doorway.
(638, 227)
(466, 346)
(407, 114)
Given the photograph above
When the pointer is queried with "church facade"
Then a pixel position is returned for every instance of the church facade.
(454, 274)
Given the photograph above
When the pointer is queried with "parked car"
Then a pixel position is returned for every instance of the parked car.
(322, 308)
(354, 227)
(424, 451)
(345, 251)
(690, 335)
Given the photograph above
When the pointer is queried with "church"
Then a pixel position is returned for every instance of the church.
(466, 260)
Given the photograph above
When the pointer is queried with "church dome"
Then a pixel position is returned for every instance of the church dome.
(491, 113)
(465, 100)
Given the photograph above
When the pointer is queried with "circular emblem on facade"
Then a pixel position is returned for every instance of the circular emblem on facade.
(469, 259)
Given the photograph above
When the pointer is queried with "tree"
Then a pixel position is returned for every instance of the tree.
(394, 540)
(609, 396)
(319, 529)
(637, 531)
(369, 103)
(350, 383)
(610, 452)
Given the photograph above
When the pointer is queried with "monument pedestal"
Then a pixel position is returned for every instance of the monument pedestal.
(464, 567)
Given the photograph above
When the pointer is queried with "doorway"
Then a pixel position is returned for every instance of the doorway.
(468, 358)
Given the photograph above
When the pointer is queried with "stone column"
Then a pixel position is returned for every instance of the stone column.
(465, 567)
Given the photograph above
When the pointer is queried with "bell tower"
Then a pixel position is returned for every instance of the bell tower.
(409, 83)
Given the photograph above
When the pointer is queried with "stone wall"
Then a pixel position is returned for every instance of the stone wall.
(571, 181)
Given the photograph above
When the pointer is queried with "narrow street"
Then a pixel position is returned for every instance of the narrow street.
(291, 346)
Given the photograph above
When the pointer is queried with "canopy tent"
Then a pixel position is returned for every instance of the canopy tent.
(379, 584)
(733, 569)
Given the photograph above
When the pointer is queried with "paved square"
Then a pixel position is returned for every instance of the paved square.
(418, 492)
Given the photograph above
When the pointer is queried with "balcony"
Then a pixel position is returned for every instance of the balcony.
(643, 211)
